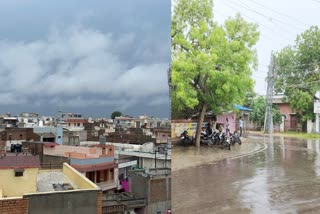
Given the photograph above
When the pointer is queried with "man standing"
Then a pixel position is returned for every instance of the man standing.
(241, 126)
(227, 127)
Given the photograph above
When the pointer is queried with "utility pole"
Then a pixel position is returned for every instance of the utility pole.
(169, 83)
(268, 120)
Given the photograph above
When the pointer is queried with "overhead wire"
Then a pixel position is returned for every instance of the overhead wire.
(275, 20)
(279, 13)
(284, 38)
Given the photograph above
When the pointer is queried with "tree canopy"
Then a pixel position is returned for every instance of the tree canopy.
(258, 106)
(297, 72)
(116, 114)
(211, 63)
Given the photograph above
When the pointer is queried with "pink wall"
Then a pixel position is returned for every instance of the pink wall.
(78, 151)
(232, 120)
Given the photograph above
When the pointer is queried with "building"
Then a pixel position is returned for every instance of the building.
(17, 135)
(8, 122)
(27, 120)
(290, 120)
(124, 122)
(26, 189)
(74, 137)
(155, 186)
(96, 163)
(75, 124)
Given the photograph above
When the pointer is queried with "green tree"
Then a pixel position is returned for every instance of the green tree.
(116, 114)
(297, 72)
(211, 64)
(259, 108)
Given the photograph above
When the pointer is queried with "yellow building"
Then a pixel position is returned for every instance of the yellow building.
(18, 175)
(25, 188)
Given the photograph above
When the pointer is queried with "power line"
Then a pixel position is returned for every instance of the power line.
(260, 24)
(261, 14)
(280, 13)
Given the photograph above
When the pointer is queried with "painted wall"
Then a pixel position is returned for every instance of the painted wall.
(77, 178)
(16, 186)
(232, 121)
(63, 150)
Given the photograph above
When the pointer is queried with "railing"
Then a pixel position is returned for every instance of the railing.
(51, 166)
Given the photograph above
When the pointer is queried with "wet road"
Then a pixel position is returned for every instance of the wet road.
(284, 178)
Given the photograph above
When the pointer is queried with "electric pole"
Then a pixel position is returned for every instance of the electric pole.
(268, 120)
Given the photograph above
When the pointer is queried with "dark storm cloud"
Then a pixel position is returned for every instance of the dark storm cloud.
(85, 56)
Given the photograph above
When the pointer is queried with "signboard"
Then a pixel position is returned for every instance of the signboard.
(316, 109)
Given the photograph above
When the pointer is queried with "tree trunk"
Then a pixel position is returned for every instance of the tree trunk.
(200, 122)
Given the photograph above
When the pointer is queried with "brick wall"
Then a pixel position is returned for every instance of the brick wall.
(99, 203)
(158, 190)
(14, 206)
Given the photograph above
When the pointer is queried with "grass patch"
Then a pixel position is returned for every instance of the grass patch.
(300, 135)
(293, 134)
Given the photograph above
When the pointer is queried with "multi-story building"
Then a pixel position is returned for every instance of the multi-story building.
(27, 119)
(8, 122)
(96, 163)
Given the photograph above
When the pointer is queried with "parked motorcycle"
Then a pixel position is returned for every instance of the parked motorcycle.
(234, 138)
(206, 139)
(225, 141)
(185, 138)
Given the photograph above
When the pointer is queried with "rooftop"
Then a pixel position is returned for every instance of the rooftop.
(49, 181)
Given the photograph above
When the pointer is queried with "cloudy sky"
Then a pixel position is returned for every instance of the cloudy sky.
(89, 57)
(280, 21)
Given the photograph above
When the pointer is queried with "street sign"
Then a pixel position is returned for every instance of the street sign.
(316, 109)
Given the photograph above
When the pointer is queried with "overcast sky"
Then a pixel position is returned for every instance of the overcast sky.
(89, 57)
(280, 21)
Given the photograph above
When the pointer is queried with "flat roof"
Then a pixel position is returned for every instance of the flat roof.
(46, 179)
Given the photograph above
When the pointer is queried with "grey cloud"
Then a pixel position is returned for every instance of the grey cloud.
(77, 61)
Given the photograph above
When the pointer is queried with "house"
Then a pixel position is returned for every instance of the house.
(124, 122)
(24, 188)
(96, 163)
(150, 122)
(75, 124)
(15, 170)
(155, 186)
(162, 135)
(8, 122)
(27, 120)
(49, 133)
(130, 136)
(290, 120)
(74, 137)
(12, 136)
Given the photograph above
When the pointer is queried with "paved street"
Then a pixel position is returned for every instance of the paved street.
(283, 178)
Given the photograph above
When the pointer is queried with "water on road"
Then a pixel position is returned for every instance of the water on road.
(284, 178)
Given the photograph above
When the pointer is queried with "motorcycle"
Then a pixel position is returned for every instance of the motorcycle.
(225, 141)
(206, 139)
(234, 138)
(185, 139)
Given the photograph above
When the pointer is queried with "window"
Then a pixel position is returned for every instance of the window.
(78, 124)
(59, 137)
(18, 172)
